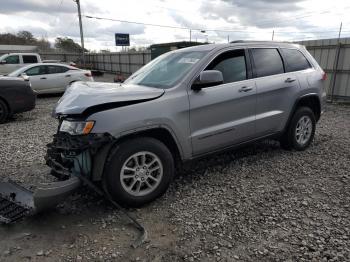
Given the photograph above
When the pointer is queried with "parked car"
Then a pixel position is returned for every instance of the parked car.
(52, 77)
(16, 96)
(183, 105)
(11, 62)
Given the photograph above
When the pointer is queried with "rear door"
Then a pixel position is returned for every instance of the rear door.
(29, 59)
(297, 64)
(58, 77)
(275, 90)
(223, 115)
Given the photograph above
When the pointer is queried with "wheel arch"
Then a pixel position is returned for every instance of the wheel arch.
(163, 134)
(7, 104)
(309, 100)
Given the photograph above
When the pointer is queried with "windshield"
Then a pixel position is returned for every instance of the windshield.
(166, 70)
(3, 56)
(17, 72)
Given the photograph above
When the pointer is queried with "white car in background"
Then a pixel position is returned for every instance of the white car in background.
(51, 77)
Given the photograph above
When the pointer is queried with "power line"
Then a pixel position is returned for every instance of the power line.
(133, 22)
(204, 29)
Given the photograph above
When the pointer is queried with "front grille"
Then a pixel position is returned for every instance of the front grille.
(11, 211)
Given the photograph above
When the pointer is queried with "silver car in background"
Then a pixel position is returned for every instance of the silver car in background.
(51, 77)
(183, 105)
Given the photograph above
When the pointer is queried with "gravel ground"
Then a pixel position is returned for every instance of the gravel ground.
(259, 203)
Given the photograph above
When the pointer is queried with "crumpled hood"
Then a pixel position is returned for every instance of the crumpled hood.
(90, 97)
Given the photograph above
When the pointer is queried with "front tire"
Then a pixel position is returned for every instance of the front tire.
(300, 131)
(4, 112)
(139, 171)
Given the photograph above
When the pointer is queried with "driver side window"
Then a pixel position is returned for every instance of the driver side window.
(231, 64)
(12, 59)
(36, 70)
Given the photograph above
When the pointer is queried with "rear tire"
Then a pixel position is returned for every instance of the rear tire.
(139, 171)
(4, 112)
(300, 131)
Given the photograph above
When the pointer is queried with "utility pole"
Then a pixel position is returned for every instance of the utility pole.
(273, 34)
(341, 26)
(190, 35)
(81, 32)
(228, 38)
(335, 65)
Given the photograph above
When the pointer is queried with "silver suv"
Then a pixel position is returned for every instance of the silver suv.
(183, 105)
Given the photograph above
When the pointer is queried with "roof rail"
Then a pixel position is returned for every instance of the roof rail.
(238, 41)
(251, 41)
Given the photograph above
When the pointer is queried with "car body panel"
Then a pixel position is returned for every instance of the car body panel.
(17, 94)
(82, 95)
(275, 99)
(222, 115)
(173, 117)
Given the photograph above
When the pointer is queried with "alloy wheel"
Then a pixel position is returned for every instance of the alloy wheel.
(303, 130)
(141, 173)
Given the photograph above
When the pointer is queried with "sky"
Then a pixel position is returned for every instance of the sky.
(290, 20)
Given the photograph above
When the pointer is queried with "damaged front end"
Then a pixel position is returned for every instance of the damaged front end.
(70, 159)
(70, 155)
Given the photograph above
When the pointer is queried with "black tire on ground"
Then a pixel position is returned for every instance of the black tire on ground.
(4, 112)
(112, 174)
(289, 139)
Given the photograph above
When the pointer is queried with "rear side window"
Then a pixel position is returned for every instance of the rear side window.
(232, 65)
(57, 69)
(267, 62)
(12, 59)
(30, 59)
(295, 60)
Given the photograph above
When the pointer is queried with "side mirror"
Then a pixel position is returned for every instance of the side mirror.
(208, 78)
(25, 76)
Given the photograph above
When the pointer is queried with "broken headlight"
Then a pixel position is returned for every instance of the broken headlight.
(77, 127)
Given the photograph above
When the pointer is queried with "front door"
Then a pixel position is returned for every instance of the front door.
(10, 64)
(38, 77)
(224, 115)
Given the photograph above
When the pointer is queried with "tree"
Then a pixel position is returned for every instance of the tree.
(68, 44)
(26, 37)
(43, 44)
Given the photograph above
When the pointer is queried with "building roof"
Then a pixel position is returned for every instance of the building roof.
(18, 47)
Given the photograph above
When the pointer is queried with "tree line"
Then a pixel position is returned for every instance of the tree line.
(27, 38)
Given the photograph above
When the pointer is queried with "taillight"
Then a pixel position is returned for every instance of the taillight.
(88, 74)
(324, 76)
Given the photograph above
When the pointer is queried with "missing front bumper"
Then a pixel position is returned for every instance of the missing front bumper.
(17, 202)
(68, 154)
(70, 159)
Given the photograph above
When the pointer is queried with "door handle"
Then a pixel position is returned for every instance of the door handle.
(245, 89)
(289, 80)
(43, 78)
(67, 75)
